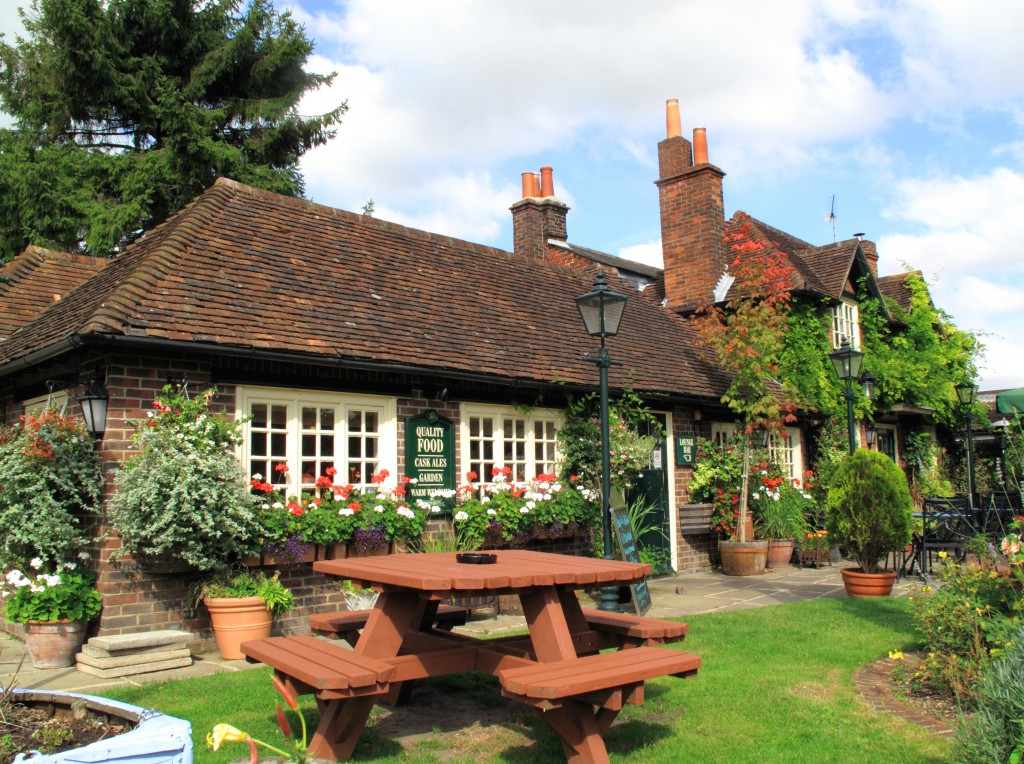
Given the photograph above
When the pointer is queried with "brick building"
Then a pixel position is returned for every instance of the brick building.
(312, 319)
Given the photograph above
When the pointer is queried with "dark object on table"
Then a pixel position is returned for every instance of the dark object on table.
(476, 558)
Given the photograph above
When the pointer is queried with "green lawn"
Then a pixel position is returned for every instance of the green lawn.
(776, 686)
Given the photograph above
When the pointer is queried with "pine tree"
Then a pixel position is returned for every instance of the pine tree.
(127, 109)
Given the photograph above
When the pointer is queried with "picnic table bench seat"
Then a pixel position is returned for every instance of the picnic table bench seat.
(346, 624)
(543, 684)
(315, 666)
(635, 630)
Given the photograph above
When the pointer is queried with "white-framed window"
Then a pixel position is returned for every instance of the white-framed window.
(312, 432)
(501, 436)
(885, 441)
(786, 451)
(722, 433)
(846, 323)
(58, 399)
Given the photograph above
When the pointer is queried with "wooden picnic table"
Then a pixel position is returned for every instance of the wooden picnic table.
(557, 668)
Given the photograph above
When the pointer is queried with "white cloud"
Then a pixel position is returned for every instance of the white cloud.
(648, 253)
(969, 248)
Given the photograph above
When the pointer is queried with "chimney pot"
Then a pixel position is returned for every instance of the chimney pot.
(673, 125)
(547, 183)
(535, 184)
(700, 146)
(527, 184)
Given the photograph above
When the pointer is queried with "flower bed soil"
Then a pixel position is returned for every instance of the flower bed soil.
(34, 728)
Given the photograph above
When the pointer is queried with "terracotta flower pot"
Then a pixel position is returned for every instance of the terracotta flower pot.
(780, 552)
(743, 558)
(237, 620)
(861, 584)
(54, 644)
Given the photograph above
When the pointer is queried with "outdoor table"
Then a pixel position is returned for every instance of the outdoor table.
(399, 636)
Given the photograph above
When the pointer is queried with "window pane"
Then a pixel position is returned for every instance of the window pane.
(355, 421)
(327, 419)
(258, 414)
(279, 417)
(308, 418)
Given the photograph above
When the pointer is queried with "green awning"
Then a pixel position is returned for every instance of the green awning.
(1011, 402)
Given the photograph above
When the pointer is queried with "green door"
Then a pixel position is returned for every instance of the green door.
(652, 488)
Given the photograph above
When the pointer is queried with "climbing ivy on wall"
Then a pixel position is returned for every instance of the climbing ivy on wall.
(920, 362)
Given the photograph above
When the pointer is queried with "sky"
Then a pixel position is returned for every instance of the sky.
(908, 114)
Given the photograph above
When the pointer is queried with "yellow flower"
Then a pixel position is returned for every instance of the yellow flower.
(895, 655)
(993, 574)
(943, 555)
(931, 655)
(926, 588)
(979, 611)
(225, 733)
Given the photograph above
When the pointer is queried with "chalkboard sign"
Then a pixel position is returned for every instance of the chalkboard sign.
(627, 547)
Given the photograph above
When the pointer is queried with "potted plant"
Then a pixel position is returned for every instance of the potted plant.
(51, 478)
(55, 608)
(780, 515)
(869, 511)
(183, 497)
(242, 606)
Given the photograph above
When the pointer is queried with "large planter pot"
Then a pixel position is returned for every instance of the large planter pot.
(861, 584)
(154, 738)
(743, 558)
(237, 620)
(54, 644)
(780, 552)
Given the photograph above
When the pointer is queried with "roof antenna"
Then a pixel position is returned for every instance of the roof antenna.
(831, 217)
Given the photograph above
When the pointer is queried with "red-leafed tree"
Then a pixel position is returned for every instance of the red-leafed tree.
(746, 335)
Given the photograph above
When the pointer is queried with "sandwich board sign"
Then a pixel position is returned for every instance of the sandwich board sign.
(627, 547)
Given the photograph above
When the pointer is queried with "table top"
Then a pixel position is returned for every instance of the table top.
(514, 569)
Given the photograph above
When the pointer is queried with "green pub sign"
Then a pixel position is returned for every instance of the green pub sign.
(686, 450)
(429, 455)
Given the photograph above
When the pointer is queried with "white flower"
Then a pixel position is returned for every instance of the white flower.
(83, 555)
(461, 516)
(257, 476)
(435, 509)
(52, 580)
(69, 566)
(524, 510)
(36, 588)
(278, 505)
(413, 481)
(378, 508)
(264, 506)
(485, 499)
(492, 512)
(346, 511)
(531, 505)
(36, 563)
(406, 512)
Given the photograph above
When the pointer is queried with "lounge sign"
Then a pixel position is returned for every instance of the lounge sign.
(429, 454)
(686, 450)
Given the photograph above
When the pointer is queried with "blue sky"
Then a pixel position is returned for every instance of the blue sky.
(910, 113)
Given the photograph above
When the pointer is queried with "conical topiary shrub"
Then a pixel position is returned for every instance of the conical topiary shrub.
(868, 509)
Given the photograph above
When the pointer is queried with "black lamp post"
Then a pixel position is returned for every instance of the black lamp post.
(94, 407)
(965, 393)
(601, 310)
(846, 361)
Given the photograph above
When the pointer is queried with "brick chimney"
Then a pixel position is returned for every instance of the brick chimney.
(538, 216)
(870, 254)
(692, 215)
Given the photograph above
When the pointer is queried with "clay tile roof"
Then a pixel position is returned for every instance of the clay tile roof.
(250, 269)
(895, 288)
(35, 280)
(831, 265)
